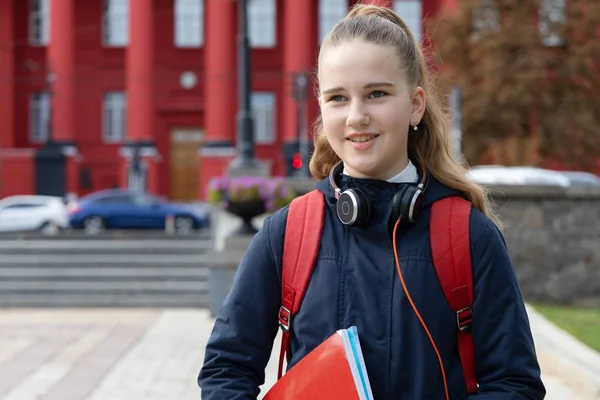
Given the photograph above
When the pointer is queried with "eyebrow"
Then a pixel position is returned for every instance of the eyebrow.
(367, 86)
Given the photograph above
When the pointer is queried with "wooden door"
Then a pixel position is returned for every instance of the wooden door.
(185, 174)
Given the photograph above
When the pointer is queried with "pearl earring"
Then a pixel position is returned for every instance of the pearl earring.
(415, 123)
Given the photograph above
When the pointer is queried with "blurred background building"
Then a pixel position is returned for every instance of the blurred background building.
(98, 93)
(144, 94)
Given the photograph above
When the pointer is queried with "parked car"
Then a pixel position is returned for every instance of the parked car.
(497, 174)
(580, 178)
(46, 214)
(127, 209)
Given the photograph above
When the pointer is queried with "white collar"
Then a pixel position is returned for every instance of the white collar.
(408, 174)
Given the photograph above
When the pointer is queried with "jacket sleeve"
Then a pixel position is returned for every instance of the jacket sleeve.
(506, 361)
(240, 344)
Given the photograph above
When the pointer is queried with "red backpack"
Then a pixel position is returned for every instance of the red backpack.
(450, 248)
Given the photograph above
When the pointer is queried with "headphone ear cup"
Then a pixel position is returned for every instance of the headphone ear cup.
(397, 209)
(412, 203)
(406, 204)
(364, 209)
(353, 207)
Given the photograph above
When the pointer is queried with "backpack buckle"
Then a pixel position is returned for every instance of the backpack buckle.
(285, 319)
(464, 318)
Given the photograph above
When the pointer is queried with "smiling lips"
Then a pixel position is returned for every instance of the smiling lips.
(362, 141)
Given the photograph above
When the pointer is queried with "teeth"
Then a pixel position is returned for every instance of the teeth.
(362, 138)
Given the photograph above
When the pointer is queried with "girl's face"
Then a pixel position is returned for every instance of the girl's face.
(367, 107)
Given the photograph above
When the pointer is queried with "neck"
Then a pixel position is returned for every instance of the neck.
(407, 175)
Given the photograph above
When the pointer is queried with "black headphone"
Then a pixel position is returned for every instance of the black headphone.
(354, 208)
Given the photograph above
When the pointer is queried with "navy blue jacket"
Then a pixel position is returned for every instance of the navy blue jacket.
(355, 282)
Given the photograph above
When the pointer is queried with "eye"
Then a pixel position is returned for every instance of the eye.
(337, 97)
(377, 94)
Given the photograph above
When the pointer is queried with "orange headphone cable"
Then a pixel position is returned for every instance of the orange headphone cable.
(414, 307)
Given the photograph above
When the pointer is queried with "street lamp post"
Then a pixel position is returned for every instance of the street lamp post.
(245, 163)
(300, 94)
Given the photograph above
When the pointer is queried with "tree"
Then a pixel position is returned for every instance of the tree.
(530, 78)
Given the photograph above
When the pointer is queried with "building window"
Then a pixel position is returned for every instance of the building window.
(189, 23)
(330, 13)
(411, 12)
(551, 22)
(114, 117)
(115, 23)
(39, 117)
(263, 111)
(39, 22)
(262, 17)
(485, 18)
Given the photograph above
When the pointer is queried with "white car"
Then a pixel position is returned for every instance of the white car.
(498, 174)
(46, 214)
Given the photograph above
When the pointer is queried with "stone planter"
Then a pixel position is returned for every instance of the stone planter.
(246, 211)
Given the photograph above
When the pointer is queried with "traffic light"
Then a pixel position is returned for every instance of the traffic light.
(297, 161)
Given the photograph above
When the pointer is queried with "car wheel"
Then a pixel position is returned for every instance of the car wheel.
(49, 228)
(93, 225)
(184, 225)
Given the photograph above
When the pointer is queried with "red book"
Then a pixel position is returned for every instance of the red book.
(335, 370)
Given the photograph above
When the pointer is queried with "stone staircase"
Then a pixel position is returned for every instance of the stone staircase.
(146, 270)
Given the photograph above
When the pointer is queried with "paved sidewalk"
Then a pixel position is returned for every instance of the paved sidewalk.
(126, 355)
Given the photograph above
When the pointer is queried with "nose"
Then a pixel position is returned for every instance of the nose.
(357, 115)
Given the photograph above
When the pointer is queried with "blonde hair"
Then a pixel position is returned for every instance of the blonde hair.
(431, 145)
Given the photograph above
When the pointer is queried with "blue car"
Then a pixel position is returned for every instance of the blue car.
(126, 209)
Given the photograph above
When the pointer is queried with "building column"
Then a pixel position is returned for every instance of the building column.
(62, 76)
(61, 63)
(220, 90)
(140, 157)
(7, 74)
(432, 8)
(298, 62)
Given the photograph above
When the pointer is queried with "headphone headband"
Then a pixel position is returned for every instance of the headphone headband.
(332, 173)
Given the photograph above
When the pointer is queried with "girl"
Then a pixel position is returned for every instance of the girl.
(381, 119)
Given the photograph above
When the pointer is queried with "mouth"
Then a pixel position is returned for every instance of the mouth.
(362, 138)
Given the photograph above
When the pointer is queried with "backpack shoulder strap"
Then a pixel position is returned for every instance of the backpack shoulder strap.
(301, 247)
(451, 251)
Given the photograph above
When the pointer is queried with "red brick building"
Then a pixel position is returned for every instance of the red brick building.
(85, 86)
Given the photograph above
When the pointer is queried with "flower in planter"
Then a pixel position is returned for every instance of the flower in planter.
(274, 192)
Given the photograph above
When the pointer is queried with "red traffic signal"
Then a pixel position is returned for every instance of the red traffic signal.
(297, 161)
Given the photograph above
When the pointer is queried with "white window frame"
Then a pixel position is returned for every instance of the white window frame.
(39, 23)
(114, 117)
(330, 13)
(189, 23)
(263, 106)
(40, 114)
(485, 18)
(411, 11)
(262, 23)
(552, 16)
(115, 23)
